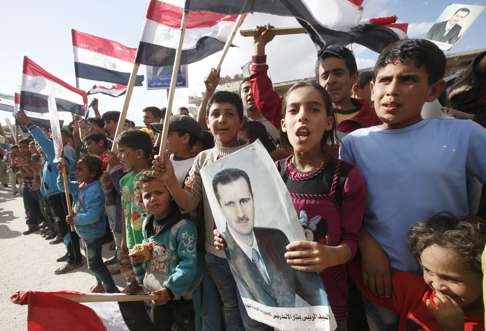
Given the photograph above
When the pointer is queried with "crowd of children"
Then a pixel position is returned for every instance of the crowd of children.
(401, 249)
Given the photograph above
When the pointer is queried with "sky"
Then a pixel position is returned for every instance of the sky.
(41, 30)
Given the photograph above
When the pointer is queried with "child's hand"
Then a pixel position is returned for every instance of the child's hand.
(105, 180)
(164, 171)
(446, 311)
(112, 159)
(70, 219)
(212, 81)
(62, 166)
(141, 253)
(163, 296)
(310, 256)
(219, 242)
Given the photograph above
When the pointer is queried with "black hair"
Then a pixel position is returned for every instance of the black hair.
(156, 112)
(227, 176)
(329, 136)
(421, 52)
(244, 80)
(24, 141)
(464, 235)
(229, 97)
(364, 78)
(206, 139)
(131, 124)
(192, 138)
(136, 139)
(67, 132)
(339, 52)
(94, 164)
(467, 10)
(96, 121)
(111, 115)
(256, 130)
(97, 137)
(14, 146)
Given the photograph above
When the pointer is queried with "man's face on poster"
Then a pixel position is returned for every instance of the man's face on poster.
(236, 202)
(458, 16)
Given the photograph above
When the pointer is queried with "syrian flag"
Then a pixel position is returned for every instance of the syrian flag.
(328, 22)
(101, 59)
(206, 33)
(113, 91)
(60, 311)
(36, 88)
(7, 104)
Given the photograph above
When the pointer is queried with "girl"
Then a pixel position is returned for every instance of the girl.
(328, 194)
(88, 217)
(448, 296)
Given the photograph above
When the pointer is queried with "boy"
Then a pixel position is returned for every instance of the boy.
(110, 119)
(183, 134)
(224, 120)
(97, 144)
(413, 167)
(134, 153)
(171, 259)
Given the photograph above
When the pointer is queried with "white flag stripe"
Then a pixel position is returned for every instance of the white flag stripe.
(109, 314)
(340, 15)
(63, 116)
(41, 85)
(55, 127)
(158, 34)
(86, 56)
(177, 3)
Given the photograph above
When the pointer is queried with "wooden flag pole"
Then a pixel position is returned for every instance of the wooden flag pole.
(277, 31)
(67, 194)
(128, 96)
(173, 81)
(229, 41)
(91, 297)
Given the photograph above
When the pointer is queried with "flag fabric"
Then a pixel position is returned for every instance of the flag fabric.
(55, 126)
(48, 311)
(101, 59)
(206, 33)
(36, 87)
(7, 103)
(113, 91)
(326, 21)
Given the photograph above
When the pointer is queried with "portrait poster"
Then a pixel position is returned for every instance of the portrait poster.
(254, 213)
(451, 25)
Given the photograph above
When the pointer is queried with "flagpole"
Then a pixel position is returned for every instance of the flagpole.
(229, 41)
(128, 96)
(173, 82)
(91, 297)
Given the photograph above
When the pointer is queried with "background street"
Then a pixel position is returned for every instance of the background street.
(28, 263)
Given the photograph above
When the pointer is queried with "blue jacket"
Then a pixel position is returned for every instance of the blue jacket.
(49, 168)
(174, 263)
(88, 208)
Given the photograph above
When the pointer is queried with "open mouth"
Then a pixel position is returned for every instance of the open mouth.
(302, 133)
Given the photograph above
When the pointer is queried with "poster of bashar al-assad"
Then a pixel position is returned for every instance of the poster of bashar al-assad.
(253, 212)
(452, 24)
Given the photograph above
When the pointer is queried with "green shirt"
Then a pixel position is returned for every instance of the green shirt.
(132, 211)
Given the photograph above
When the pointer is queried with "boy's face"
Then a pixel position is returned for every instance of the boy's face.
(128, 156)
(110, 128)
(177, 142)
(336, 79)
(399, 92)
(446, 272)
(94, 147)
(224, 123)
(248, 101)
(156, 198)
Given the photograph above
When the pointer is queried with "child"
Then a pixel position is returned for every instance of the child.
(413, 168)
(224, 119)
(184, 132)
(330, 195)
(171, 262)
(448, 296)
(134, 153)
(88, 217)
(97, 144)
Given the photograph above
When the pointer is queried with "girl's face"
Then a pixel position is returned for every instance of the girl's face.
(82, 173)
(445, 272)
(128, 156)
(156, 198)
(305, 120)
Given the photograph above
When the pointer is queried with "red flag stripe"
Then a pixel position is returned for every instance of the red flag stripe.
(170, 15)
(103, 46)
(358, 3)
(33, 69)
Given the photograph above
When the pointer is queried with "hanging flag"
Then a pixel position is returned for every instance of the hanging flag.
(113, 91)
(50, 311)
(206, 33)
(101, 59)
(36, 87)
(6, 103)
(55, 127)
(326, 21)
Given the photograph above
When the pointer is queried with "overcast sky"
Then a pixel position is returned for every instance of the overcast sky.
(41, 30)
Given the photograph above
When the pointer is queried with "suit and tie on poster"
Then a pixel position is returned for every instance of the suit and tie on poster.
(254, 213)
(452, 24)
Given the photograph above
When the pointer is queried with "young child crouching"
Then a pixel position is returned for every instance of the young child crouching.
(448, 296)
(169, 250)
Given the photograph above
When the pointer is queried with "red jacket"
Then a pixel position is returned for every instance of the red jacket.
(365, 118)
